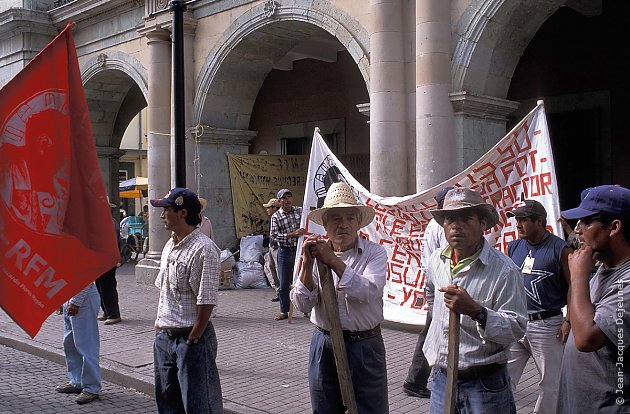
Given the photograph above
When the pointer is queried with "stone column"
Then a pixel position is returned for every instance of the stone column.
(159, 135)
(435, 132)
(480, 122)
(388, 149)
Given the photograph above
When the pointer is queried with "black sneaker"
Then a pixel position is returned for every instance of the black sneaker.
(68, 388)
(85, 397)
(420, 392)
(276, 299)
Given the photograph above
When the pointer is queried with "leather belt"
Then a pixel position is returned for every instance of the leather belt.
(477, 371)
(355, 336)
(175, 332)
(543, 315)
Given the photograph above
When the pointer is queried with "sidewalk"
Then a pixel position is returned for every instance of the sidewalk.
(262, 362)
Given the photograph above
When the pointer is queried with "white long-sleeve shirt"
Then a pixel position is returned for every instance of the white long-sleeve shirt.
(359, 290)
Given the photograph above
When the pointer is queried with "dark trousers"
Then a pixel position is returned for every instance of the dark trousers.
(106, 285)
(419, 371)
(368, 370)
(286, 260)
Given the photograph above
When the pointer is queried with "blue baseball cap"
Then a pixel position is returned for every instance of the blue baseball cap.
(608, 199)
(181, 198)
(282, 193)
(439, 197)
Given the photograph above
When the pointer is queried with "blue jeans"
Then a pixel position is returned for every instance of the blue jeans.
(368, 371)
(487, 394)
(81, 343)
(186, 376)
(286, 260)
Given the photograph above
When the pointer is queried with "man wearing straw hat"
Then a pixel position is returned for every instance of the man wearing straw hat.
(358, 270)
(472, 278)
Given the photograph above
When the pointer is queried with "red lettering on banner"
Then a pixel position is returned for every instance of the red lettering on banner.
(397, 227)
(397, 254)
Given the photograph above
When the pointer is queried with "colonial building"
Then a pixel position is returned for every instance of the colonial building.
(439, 80)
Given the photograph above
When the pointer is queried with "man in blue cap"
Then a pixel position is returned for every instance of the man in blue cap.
(185, 348)
(285, 230)
(593, 377)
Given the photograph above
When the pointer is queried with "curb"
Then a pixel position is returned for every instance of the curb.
(111, 375)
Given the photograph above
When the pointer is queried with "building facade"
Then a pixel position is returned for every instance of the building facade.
(440, 81)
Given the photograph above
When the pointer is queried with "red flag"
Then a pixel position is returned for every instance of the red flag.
(56, 231)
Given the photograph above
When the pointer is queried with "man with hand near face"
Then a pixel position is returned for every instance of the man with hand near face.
(358, 270)
(483, 285)
(185, 348)
(595, 377)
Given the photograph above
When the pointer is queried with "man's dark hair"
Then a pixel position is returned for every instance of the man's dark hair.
(193, 218)
(607, 219)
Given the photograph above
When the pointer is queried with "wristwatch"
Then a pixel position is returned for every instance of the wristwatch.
(191, 341)
(481, 316)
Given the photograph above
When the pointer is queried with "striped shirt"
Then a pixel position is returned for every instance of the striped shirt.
(283, 223)
(494, 281)
(359, 290)
(189, 276)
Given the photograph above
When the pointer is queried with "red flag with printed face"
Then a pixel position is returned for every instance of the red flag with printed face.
(56, 231)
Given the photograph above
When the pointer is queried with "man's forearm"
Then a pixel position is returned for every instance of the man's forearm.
(201, 321)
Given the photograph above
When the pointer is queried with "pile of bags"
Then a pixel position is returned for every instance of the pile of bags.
(249, 268)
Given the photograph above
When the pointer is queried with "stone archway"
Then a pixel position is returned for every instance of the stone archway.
(225, 72)
(492, 38)
(115, 87)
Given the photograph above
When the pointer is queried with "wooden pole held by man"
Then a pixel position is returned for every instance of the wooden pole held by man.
(452, 363)
(329, 297)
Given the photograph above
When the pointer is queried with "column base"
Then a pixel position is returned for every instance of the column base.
(147, 271)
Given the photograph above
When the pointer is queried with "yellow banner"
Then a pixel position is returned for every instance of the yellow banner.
(257, 178)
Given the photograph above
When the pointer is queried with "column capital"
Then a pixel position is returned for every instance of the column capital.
(211, 135)
(156, 32)
(481, 106)
(110, 152)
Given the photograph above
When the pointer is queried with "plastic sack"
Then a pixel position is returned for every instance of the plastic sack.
(251, 249)
(227, 259)
(250, 275)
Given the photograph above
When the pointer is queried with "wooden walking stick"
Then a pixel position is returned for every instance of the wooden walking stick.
(450, 400)
(329, 298)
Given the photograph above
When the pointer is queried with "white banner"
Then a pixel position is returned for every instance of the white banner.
(522, 162)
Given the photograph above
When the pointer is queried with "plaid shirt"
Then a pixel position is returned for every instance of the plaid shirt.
(283, 223)
(189, 276)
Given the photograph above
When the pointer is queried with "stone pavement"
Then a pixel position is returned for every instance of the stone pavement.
(262, 362)
(27, 382)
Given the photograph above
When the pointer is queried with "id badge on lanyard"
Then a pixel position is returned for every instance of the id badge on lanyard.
(528, 264)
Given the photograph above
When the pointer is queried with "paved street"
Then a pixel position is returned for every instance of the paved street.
(28, 382)
(262, 362)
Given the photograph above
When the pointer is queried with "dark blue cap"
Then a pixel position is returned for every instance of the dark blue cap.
(439, 197)
(181, 198)
(608, 199)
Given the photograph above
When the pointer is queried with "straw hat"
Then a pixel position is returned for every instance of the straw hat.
(273, 202)
(203, 203)
(461, 199)
(340, 195)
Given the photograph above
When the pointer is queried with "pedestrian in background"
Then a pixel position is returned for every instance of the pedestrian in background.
(185, 348)
(205, 225)
(81, 345)
(543, 260)
(271, 257)
(107, 286)
(285, 230)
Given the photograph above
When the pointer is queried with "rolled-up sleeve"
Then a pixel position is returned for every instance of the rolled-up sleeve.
(303, 299)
